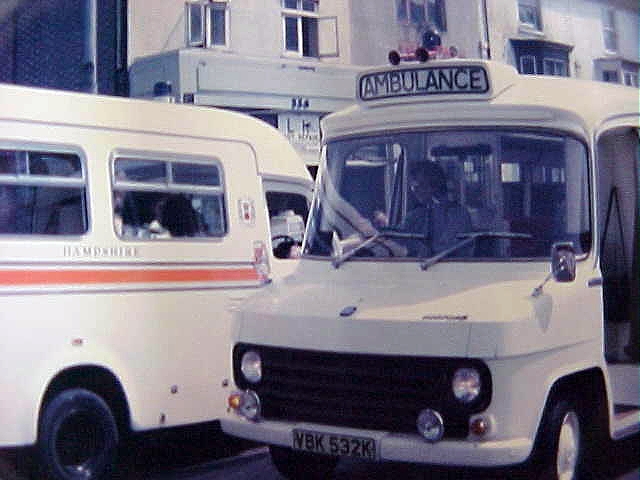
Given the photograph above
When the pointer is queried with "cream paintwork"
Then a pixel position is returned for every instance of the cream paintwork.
(529, 343)
(393, 308)
(150, 337)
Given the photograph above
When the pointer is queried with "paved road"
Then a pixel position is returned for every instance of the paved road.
(204, 454)
(255, 465)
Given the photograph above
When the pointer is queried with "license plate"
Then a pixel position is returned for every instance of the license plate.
(333, 444)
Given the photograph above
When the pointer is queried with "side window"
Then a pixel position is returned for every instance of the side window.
(288, 214)
(159, 199)
(42, 193)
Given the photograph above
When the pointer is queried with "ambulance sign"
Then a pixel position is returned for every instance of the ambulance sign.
(427, 80)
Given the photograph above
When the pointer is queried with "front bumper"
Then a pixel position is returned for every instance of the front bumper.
(394, 447)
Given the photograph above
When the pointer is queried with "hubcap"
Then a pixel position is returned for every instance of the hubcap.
(80, 438)
(568, 447)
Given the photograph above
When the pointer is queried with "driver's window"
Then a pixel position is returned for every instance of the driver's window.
(288, 214)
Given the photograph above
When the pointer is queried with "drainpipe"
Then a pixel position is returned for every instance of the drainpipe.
(92, 44)
(485, 43)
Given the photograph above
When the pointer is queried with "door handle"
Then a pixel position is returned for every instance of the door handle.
(595, 282)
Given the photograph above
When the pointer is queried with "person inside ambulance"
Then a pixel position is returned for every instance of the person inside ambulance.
(436, 216)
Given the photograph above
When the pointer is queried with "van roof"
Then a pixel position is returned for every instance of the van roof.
(275, 155)
(510, 98)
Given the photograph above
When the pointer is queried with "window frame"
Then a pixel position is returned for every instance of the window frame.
(534, 5)
(170, 187)
(299, 14)
(189, 21)
(26, 178)
(630, 78)
(612, 74)
(438, 21)
(216, 5)
(534, 61)
(540, 51)
(207, 36)
(555, 62)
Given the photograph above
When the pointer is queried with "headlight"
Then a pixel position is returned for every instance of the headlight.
(430, 425)
(251, 366)
(466, 384)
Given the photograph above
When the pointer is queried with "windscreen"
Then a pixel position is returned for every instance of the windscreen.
(420, 193)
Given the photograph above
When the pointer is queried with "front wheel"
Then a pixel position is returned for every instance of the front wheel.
(77, 436)
(301, 465)
(562, 443)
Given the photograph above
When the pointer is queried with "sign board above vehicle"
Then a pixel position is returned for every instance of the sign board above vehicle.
(423, 80)
(433, 81)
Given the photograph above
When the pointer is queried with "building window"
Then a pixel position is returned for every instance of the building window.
(529, 14)
(555, 67)
(610, 76)
(207, 24)
(300, 27)
(631, 79)
(541, 57)
(609, 30)
(195, 24)
(217, 21)
(422, 14)
(528, 65)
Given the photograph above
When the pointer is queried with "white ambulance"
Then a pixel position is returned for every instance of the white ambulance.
(129, 231)
(474, 243)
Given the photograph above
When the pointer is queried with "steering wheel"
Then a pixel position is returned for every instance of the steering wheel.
(284, 247)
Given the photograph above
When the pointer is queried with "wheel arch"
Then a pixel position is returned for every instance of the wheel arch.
(97, 379)
(587, 388)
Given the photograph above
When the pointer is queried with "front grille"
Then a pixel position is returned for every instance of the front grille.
(379, 392)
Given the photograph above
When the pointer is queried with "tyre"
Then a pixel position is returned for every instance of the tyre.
(77, 436)
(301, 465)
(561, 444)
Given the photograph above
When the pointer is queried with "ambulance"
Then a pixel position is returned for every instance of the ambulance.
(474, 242)
(129, 232)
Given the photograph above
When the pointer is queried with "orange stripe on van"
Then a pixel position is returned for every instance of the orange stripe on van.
(94, 276)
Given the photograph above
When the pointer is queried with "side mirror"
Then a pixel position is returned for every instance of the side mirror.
(563, 262)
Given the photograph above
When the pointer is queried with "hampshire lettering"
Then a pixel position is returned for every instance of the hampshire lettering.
(424, 81)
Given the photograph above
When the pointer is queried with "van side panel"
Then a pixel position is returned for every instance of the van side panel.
(153, 312)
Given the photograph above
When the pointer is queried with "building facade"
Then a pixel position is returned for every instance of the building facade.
(284, 61)
(78, 45)
(290, 62)
(588, 39)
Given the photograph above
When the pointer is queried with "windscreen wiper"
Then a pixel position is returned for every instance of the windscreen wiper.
(340, 258)
(468, 238)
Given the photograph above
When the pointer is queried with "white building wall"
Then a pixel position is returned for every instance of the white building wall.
(368, 29)
(343, 11)
(464, 27)
(577, 23)
(255, 28)
(374, 31)
(154, 29)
